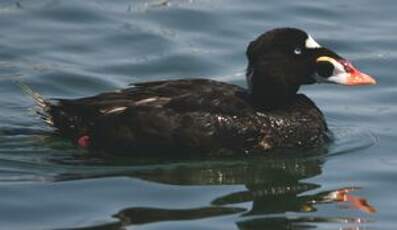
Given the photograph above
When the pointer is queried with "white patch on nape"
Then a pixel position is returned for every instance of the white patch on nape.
(311, 43)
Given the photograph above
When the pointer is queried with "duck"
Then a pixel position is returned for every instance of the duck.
(209, 117)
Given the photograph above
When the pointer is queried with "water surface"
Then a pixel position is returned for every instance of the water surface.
(70, 48)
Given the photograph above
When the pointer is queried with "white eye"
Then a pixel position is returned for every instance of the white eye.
(297, 51)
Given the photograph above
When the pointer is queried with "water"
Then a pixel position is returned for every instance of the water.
(67, 48)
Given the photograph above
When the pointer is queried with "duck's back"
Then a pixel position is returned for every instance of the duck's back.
(184, 116)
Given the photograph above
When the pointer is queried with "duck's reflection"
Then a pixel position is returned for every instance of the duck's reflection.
(282, 223)
(273, 188)
(143, 215)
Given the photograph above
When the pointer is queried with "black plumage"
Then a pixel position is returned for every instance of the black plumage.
(206, 116)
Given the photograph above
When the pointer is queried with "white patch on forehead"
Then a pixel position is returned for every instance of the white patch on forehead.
(311, 43)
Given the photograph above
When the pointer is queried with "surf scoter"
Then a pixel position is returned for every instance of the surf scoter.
(207, 116)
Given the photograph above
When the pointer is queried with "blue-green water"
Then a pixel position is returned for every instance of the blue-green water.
(67, 48)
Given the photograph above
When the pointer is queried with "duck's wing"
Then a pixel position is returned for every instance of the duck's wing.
(191, 114)
(143, 105)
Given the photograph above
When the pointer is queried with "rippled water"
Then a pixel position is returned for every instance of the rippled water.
(68, 48)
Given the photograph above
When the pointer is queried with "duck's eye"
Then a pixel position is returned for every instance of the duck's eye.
(325, 69)
(298, 51)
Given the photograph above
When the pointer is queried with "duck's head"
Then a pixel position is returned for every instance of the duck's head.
(281, 60)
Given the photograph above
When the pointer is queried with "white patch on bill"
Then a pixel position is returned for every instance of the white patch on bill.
(339, 75)
(311, 43)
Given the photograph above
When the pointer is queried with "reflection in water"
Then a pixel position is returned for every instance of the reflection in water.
(306, 203)
(149, 215)
(274, 187)
(343, 195)
(281, 223)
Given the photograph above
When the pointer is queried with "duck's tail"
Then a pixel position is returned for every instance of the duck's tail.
(43, 106)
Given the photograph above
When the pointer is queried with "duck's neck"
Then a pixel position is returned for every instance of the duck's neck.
(270, 91)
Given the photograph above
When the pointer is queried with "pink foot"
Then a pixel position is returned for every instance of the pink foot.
(84, 141)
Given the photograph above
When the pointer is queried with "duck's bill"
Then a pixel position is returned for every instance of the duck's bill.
(345, 73)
